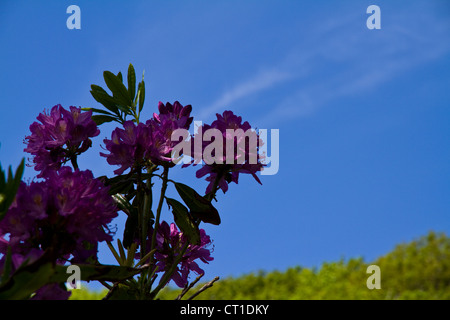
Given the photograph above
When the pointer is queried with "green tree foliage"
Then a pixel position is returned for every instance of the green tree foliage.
(86, 294)
(416, 270)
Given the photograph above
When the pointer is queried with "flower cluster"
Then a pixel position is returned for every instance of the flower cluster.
(60, 137)
(172, 117)
(243, 158)
(132, 145)
(136, 144)
(169, 244)
(65, 215)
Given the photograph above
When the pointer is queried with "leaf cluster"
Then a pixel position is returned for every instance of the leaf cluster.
(123, 101)
(9, 184)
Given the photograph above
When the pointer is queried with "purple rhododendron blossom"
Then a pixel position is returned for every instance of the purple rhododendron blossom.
(133, 145)
(128, 146)
(68, 213)
(245, 158)
(57, 129)
(136, 144)
(175, 115)
(170, 118)
(169, 243)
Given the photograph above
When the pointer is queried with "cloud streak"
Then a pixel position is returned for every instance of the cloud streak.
(261, 81)
(338, 61)
(402, 51)
(359, 76)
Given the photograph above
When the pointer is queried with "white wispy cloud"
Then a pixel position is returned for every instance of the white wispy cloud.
(335, 60)
(262, 80)
(354, 70)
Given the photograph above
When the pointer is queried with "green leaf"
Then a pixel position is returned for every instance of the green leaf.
(119, 76)
(118, 89)
(17, 178)
(132, 223)
(141, 87)
(184, 221)
(199, 207)
(123, 184)
(29, 278)
(124, 109)
(131, 77)
(7, 266)
(26, 280)
(9, 186)
(124, 292)
(100, 119)
(99, 111)
(123, 203)
(89, 272)
(101, 96)
(131, 231)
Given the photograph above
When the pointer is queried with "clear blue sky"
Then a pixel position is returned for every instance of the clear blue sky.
(364, 115)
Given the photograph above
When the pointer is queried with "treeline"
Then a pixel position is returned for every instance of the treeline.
(416, 270)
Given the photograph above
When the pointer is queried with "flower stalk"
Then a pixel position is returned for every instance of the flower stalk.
(165, 177)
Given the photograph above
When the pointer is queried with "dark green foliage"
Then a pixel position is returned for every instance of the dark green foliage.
(199, 206)
(123, 101)
(184, 221)
(30, 277)
(9, 183)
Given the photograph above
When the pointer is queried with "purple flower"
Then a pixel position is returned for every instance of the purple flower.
(60, 137)
(177, 115)
(170, 118)
(65, 215)
(244, 157)
(169, 243)
(136, 145)
(126, 146)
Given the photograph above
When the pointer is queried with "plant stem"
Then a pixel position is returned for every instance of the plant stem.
(206, 286)
(166, 277)
(158, 210)
(146, 208)
(73, 160)
(189, 287)
(140, 190)
(210, 196)
(136, 115)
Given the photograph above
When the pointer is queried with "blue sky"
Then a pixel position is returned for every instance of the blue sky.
(363, 114)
